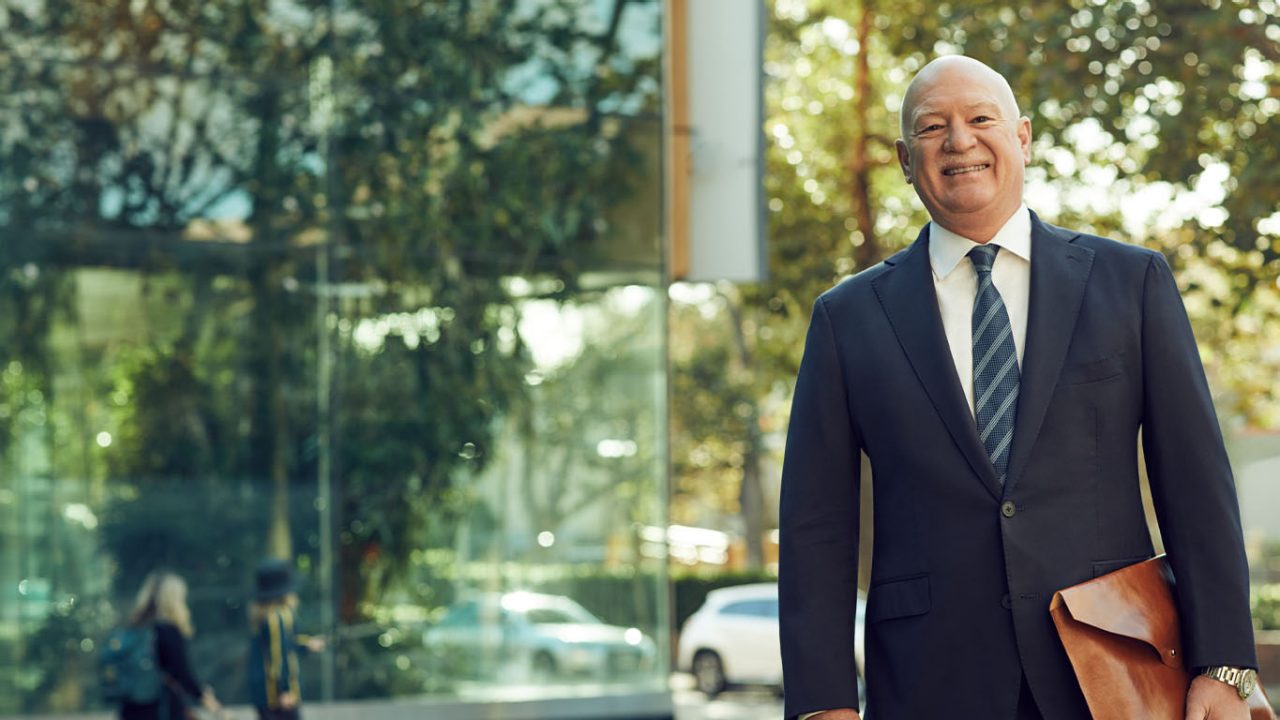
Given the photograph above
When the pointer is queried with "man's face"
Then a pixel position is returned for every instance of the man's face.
(965, 149)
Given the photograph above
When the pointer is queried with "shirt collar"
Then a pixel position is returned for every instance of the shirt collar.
(947, 249)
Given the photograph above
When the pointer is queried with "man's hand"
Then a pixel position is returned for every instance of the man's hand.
(842, 714)
(1209, 699)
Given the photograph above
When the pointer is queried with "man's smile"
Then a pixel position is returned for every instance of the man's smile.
(965, 169)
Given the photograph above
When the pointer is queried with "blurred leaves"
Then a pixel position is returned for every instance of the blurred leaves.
(1154, 123)
(1266, 607)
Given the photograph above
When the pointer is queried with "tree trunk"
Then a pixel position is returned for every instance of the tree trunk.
(276, 432)
(860, 162)
(750, 494)
(272, 435)
(751, 498)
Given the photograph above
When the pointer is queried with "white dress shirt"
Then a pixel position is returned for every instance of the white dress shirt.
(956, 284)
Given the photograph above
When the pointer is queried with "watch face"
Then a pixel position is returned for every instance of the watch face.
(1247, 680)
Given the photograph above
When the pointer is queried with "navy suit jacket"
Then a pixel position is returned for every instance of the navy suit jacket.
(963, 568)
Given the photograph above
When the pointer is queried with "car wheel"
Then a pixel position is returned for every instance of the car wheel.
(708, 673)
(544, 666)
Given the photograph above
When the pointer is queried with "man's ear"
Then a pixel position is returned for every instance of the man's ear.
(904, 159)
(1024, 139)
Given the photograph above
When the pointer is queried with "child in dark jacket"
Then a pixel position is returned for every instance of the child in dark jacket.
(275, 687)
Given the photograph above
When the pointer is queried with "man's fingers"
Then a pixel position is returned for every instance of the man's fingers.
(1196, 708)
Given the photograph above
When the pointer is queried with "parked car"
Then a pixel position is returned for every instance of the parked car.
(733, 639)
(539, 636)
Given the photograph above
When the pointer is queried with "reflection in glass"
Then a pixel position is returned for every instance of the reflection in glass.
(536, 639)
(285, 283)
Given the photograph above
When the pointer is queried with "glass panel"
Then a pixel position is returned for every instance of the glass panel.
(143, 444)
(157, 347)
(384, 302)
(528, 571)
(497, 332)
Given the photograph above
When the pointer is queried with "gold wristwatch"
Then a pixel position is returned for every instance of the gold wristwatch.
(1242, 679)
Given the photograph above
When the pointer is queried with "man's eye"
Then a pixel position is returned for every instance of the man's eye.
(983, 119)
(930, 128)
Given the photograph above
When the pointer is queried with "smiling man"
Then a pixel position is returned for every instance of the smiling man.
(997, 373)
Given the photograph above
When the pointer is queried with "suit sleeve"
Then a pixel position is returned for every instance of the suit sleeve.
(1191, 483)
(818, 532)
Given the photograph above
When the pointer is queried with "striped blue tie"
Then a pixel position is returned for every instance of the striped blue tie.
(995, 364)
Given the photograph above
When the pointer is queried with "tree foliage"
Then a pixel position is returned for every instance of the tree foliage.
(1153, 123)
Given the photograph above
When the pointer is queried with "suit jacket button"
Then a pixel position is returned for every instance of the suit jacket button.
(1008, 509)
(1006, 602)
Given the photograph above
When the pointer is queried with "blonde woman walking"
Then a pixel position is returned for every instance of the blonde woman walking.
(162, 605)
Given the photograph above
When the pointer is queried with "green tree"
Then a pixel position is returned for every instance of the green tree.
(1175, 102)
(1130, 108)
(836, 205)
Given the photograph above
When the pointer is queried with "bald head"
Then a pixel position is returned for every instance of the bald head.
(964, 148)
(951, 71)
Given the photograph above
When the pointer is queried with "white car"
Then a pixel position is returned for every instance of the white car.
(537, 635)
(733, 639)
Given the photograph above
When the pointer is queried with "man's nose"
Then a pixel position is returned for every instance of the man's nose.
(959, 138)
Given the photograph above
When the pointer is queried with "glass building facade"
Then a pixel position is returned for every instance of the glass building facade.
(376, 287)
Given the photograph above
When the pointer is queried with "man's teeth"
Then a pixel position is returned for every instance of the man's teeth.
(963, 170)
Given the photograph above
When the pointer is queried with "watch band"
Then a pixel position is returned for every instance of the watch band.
(1242, 679)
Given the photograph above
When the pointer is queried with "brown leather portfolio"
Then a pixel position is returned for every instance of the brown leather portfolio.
(1120, 631)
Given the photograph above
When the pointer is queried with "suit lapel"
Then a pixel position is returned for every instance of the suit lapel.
(911, 304)
(1059, 273)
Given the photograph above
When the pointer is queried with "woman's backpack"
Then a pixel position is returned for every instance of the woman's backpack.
(127, 668)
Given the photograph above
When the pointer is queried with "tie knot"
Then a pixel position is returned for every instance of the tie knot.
(983, 257)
